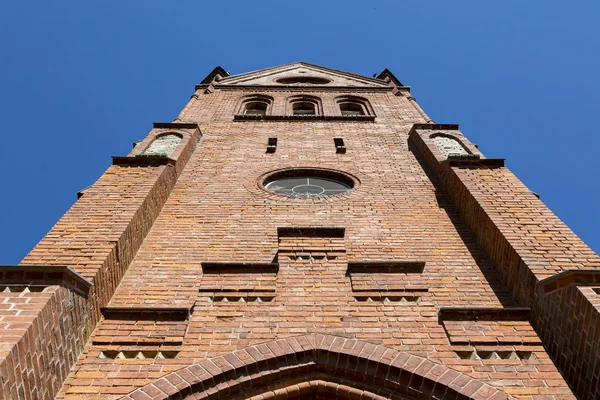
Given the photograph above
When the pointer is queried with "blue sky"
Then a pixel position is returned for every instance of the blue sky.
(82, 80)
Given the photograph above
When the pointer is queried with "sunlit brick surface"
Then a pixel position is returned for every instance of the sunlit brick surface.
(143, 233)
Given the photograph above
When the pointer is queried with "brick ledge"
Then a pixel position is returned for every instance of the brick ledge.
(484, 314)
(476, 162)
(356, 118)
(146, 313)
(48, 275)
(142, 161)
(310, 231)
(567, 278)
(415, 267)
(175, 125)
(435, 127)
(239, 267)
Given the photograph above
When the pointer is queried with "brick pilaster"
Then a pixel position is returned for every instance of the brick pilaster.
(98, 237)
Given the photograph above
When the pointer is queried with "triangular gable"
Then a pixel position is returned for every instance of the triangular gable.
(307, 74)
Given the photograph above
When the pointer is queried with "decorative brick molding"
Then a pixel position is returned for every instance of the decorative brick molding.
(176, 125)
(36, 275)
(496, 328)
(568, 278)
(308, 231)
(240, 281)
(146, 313)
(321, 386)
(338, 118)
(475, 162)
(347, 365)
(436, 127)
(375, 267)
(387, 280)
(239, 267)
(142, 161)
(304, 88)
(483, 314)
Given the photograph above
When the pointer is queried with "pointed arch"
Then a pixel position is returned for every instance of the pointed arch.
(317, 364)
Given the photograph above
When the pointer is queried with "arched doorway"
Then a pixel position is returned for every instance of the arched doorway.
(317, 367)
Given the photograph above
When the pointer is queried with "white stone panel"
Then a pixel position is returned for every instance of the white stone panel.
(163, 146)
(448, 146)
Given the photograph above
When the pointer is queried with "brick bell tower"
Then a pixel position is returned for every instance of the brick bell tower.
(303, 233)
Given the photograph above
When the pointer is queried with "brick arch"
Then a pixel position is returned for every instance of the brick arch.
(301, 366)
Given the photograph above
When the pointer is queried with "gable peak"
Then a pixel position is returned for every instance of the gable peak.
(299, 74)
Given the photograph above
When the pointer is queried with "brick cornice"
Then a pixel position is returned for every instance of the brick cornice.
(339, 118)
(386, 267)
(44, 275)
(311, 231)
(239, 267)
(483, 314)
(475, 162)
(434, 127)
(147, 313)
(142, 161)
(568, 278)
(311, 88)
(175, 125)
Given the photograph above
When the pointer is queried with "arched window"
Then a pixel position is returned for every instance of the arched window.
(255, 104)
(354, 106)
(163, 146)
(352, 109)
(255, 108)
(304, 105)
(303, 108)
(448, 145)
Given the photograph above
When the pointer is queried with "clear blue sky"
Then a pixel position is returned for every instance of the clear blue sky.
(82, 80)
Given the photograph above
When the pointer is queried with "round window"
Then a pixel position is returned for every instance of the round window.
(307, 186)
(303, 80)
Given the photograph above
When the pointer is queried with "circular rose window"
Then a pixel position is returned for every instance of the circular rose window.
(305, 185)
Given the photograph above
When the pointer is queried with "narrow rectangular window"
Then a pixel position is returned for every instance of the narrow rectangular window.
(340, 147)
(272, 145)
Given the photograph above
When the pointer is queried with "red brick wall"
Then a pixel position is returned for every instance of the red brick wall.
(193, 261)
(523, 238)
(567, 315)
(218, 212)
(98, 237)
(35, 348)
(528, 245)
